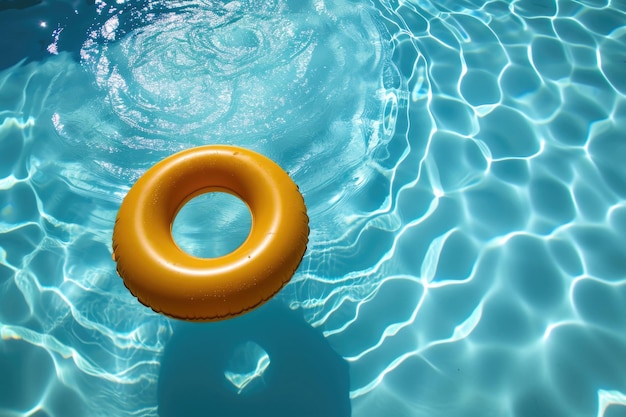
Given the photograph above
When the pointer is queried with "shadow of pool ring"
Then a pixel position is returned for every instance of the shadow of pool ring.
(172, 282)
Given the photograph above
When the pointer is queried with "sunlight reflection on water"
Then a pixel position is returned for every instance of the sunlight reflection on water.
(462, 165)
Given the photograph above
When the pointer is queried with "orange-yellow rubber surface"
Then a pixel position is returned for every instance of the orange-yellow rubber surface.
(175, 283)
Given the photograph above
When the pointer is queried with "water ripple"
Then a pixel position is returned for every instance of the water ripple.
(462, 162)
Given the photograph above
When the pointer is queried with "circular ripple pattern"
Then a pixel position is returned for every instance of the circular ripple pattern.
(177, 74)
(182, 70)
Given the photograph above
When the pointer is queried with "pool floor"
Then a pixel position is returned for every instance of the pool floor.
(462, 163)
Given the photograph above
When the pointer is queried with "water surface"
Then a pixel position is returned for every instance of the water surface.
(462, 163)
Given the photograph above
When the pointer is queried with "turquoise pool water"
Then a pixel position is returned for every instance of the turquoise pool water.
(464, 167)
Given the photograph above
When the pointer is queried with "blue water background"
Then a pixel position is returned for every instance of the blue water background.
(463, 163)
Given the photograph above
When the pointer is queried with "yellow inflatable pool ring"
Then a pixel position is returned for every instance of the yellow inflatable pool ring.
(171, 281)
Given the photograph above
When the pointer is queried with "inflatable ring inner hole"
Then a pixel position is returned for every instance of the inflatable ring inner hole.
(212, 224)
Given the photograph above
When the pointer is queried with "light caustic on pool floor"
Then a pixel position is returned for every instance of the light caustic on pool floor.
(462, 163)
(484, 274)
